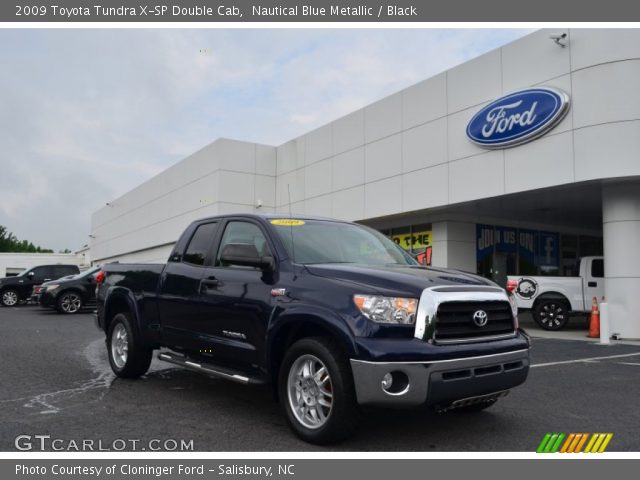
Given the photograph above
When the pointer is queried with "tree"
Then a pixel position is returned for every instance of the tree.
(9, 243)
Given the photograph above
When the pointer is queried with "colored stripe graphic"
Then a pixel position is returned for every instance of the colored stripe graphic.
(553, 442)
(598, 443)
(550, 443)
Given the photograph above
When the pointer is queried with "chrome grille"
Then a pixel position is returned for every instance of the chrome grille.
(454, 320)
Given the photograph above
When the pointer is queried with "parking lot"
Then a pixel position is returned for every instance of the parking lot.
(55, 380)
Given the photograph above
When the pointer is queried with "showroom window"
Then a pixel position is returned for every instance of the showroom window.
(415, 239)
(503, 251)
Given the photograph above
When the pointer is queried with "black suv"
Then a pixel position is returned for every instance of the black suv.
(70, 295)
(14, 290)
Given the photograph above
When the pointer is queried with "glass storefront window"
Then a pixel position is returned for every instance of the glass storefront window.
(415, 239)
(503, 251)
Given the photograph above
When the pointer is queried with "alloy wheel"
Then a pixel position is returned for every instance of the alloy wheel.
(119, 345)
(70, 303)
(310, 391)
(552, 315)
(10, 298)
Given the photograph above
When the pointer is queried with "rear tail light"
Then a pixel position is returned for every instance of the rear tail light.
(511, 285)
(100, 276)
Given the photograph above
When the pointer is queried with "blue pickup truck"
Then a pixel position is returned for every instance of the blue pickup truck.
(332, 314)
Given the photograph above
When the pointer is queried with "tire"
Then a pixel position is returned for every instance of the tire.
(476, 407)
(9, 298)
(551, 313)
(337, 417)
(69, 302)
(127, 357)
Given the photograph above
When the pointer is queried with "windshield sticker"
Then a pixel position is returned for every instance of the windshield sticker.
(287, 222)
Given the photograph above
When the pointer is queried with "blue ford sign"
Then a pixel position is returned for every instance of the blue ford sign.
(518, 117)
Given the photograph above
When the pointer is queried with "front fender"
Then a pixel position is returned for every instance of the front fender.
(284, 320)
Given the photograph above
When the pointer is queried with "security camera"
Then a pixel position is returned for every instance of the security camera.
(558, 37)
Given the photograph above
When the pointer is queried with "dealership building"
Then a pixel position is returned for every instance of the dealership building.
(518, 162)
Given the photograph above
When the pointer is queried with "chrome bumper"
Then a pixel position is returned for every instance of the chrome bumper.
(440, 382)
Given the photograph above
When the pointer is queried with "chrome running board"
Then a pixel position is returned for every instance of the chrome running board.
(215, 371)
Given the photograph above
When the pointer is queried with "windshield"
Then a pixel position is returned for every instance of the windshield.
(316, 241)
(87, 273)
(24, 273)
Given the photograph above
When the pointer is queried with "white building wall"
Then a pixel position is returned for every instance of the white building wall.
(409, 151)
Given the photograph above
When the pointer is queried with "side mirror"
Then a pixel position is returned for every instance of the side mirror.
(246, 255)
(31, 274)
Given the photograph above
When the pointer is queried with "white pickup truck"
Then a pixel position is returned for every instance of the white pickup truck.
(553, 299)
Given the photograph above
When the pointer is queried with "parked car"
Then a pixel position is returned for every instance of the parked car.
(552, 300)
(72, 294)
(37, 290)
(14, 290)
(332, 314)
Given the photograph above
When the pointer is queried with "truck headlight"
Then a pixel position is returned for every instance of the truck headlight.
(514, 307)
(394, 310)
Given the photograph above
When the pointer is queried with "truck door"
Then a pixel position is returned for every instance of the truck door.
(179, 293)
(37, 276)
(593, 282)
(237, 300)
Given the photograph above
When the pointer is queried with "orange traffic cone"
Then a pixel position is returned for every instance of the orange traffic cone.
(594, 323)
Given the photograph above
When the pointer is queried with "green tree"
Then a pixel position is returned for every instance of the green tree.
(9, 243)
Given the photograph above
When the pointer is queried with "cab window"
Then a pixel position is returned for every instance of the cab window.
(199, 245)
(597, 268)
(243, 232)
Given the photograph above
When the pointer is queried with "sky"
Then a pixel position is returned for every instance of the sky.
(88, 114)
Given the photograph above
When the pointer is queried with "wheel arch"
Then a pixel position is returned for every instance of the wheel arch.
(295, 326)
(120, 300)
(558, 296)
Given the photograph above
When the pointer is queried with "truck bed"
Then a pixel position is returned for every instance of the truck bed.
(570, 287)
(139, 277)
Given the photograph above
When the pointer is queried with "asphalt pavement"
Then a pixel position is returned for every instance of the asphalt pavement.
(55, 381)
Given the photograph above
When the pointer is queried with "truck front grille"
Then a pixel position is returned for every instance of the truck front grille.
(455, 320)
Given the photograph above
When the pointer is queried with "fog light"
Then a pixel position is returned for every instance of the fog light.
(395, 383)
(387, 381)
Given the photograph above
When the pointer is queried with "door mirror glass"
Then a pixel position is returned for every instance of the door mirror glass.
(245, 255)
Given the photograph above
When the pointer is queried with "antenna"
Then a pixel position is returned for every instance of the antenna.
(293, 248)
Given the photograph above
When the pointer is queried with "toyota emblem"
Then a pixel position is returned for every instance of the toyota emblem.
(480, 318)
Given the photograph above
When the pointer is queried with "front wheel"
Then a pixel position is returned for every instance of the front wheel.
(551, 314)
(9, 298)
(316, 390)
(127, 356)
(69, 302)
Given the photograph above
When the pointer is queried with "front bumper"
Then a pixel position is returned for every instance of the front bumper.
(440, 382)
(46, 299)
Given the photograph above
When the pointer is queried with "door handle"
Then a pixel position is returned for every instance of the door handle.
(592, 284)
(210, 282)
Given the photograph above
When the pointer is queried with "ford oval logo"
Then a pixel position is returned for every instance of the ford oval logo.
(518, 118)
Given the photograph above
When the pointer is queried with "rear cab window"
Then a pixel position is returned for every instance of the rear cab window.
(200, 244)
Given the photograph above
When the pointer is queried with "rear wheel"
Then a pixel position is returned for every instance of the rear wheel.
(127, 356)
(69, 302)
(317, 393)
(9, 298)
(551, 314)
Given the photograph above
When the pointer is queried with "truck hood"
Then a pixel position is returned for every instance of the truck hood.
(398, 278)
(12, 280)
